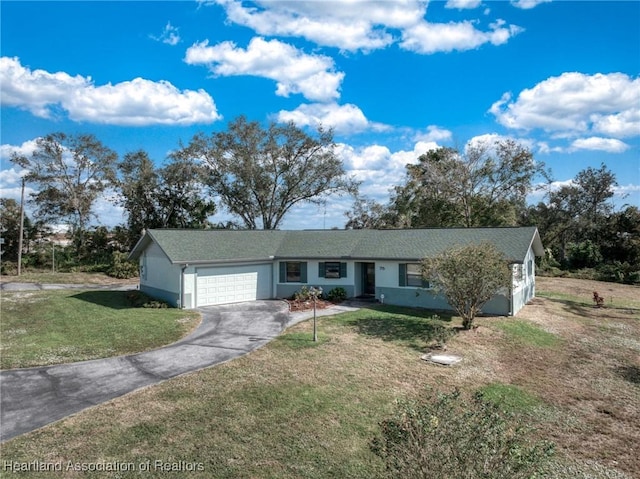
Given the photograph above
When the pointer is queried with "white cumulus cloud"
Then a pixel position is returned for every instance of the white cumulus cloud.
(378, 168)
(527, 4)
(463, 4)
(363, 25)
(135, 103)
(313, 76)
(610, 145)
(428, 38)
(26, 149)
(349, 26)
(574, 104)
(343, 119)
(433, 133)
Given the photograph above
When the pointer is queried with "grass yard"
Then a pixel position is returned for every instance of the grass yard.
(79, 277)
(298, 409)
(50, 327)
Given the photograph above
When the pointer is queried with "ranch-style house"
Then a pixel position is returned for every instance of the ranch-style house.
(194, 268)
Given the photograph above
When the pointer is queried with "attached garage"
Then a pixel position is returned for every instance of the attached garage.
(233, 284)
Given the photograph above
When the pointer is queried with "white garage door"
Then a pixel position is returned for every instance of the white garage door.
(233, 284)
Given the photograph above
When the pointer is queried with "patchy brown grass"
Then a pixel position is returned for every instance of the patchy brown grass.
(65, 278)
(299, 409)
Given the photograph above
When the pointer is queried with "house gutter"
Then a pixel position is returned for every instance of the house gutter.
(186, 265)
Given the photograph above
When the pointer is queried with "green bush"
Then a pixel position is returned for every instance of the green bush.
(585, 254)
(121, 267)
(336, 295)
(619, 272)
(455, 435)
(138, 299)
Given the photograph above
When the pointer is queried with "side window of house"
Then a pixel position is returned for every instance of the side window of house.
(332, 269)
(293, 272)
(530, 268)
(143, 266)
(411, 275)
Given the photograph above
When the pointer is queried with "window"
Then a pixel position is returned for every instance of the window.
(411, 275)
(530, 268)
(414, 274)
(293, 272)
(332, 269)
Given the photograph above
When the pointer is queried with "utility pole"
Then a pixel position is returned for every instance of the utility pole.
(21, 228)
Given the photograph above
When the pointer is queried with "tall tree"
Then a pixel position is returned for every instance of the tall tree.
(168, 197)
(260, 174)
(70, 172)
(139, 185)
(576, 212)
(484, 186)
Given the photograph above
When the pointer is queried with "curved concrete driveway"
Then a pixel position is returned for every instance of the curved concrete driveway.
(34, 397)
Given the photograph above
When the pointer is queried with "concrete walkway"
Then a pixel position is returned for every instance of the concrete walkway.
(34, 397)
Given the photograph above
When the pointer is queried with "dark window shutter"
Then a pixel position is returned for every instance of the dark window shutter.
(321, 270)
(425, 283)
(283, 272)
(303, 272)
(402, 276)
(343, 270)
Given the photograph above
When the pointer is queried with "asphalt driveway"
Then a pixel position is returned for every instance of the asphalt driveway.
(34, 397)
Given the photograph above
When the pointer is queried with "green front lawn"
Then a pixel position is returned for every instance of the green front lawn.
(40, 328)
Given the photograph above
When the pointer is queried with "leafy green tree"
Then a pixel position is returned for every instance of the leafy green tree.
(260, 174)
(468, 276)
(484, 186)
(10, 227)
(369, 214)
(181, 196)
(168, 197)
(70, 172)
(576, 212)
(139, 185)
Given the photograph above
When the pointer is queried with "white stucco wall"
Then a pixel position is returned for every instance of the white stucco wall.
(285, 289)
(159, 277)
(524, 289)
(387, 274)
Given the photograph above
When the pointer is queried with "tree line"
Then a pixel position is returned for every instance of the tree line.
(258, 174)
(487, 185)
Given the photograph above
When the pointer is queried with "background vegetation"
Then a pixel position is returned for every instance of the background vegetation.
(259, 173)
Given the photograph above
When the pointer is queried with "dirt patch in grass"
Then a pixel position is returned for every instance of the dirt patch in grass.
(65, 278)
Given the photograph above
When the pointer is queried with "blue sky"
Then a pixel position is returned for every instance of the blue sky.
(392, 78)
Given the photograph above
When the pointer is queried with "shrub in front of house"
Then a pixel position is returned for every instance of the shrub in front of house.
(138, 299)
(337, 295)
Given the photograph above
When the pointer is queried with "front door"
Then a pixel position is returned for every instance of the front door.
(369, 278)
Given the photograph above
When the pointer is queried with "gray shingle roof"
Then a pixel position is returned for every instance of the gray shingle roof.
(211, 246)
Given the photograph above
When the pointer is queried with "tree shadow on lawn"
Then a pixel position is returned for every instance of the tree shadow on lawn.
(108, 299)
(629, 373)
(414, 327)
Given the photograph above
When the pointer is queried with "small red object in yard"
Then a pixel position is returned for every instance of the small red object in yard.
(598, 300)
